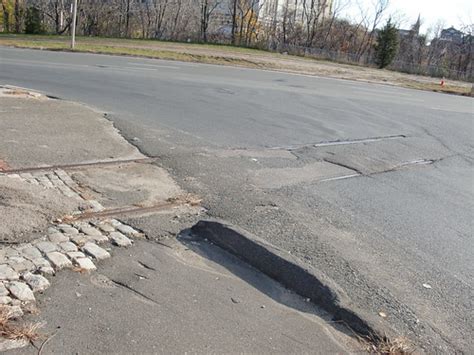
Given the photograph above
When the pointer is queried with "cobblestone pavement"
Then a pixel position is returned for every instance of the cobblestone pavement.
(25, 267)
(60, 181)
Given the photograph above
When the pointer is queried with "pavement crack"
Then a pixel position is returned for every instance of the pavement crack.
(359, 140)
(343, 165)
(131, 289)
(163, 244)
(146, 266)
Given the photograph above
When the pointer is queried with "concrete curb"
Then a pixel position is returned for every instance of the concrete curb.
(293, 274)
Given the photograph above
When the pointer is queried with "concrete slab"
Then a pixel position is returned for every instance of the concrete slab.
(156, 299)
(55, 134)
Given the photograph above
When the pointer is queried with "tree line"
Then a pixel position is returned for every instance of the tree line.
(303, 27)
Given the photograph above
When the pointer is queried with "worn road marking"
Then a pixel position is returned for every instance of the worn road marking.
(339, 142)
(153, 65)
(340, 177)
(358, 141)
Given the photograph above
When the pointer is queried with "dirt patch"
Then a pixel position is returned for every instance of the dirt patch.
(133, 184)
(7, 91)
(26, 209)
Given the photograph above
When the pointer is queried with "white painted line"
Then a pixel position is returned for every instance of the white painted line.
(340, 177)
(153, 65)
(358, 141)
(417, 162)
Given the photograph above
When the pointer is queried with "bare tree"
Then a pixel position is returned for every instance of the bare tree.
(207, 9)
(379, 6)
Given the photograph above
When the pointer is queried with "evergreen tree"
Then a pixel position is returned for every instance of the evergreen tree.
(387, 45)
(33, 23)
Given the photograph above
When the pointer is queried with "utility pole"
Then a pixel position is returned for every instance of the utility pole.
(73, 30)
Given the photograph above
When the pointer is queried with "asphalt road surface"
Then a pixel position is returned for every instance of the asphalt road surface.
(369, 183)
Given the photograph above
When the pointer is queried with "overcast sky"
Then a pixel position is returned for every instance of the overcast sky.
(451, 12)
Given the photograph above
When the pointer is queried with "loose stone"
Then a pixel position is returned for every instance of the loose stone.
(68, 246)
(115, 223)
(5, 300)
(15, 302)
(46, 247)
(95, 251)
(31, 253)
(37, 283)
(3, 290)
(46, 270)
(58, 260)
(61, 173)
(58, 238)
(39, 262)
(99, 239)
(68, 192)
(21, 291)
(85, 264)
(119, 239)
(11, 252)
(47, 184)
(80, 239)
(69, 230)
(22, 266)
(16, 259)
(90, 231)
(52, 230)
(127, 230)
(105, 227)
(14, 311)
(73, 255)
(7, 273)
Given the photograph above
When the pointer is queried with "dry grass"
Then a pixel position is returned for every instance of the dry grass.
(397, 346)
(186, 199)
(385, 346)
(11, 328)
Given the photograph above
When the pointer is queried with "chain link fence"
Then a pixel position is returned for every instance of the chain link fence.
(368, 59)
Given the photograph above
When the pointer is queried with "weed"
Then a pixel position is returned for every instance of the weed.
(11, 328)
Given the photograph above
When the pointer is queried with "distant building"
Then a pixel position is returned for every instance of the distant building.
(404, 33)
(222, 15)
(451, 35)
(275, 11)
(413, 32)
(270, 13)
(412, 44)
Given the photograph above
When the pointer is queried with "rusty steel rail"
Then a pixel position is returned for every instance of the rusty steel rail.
(124, 210)
(8, 171)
